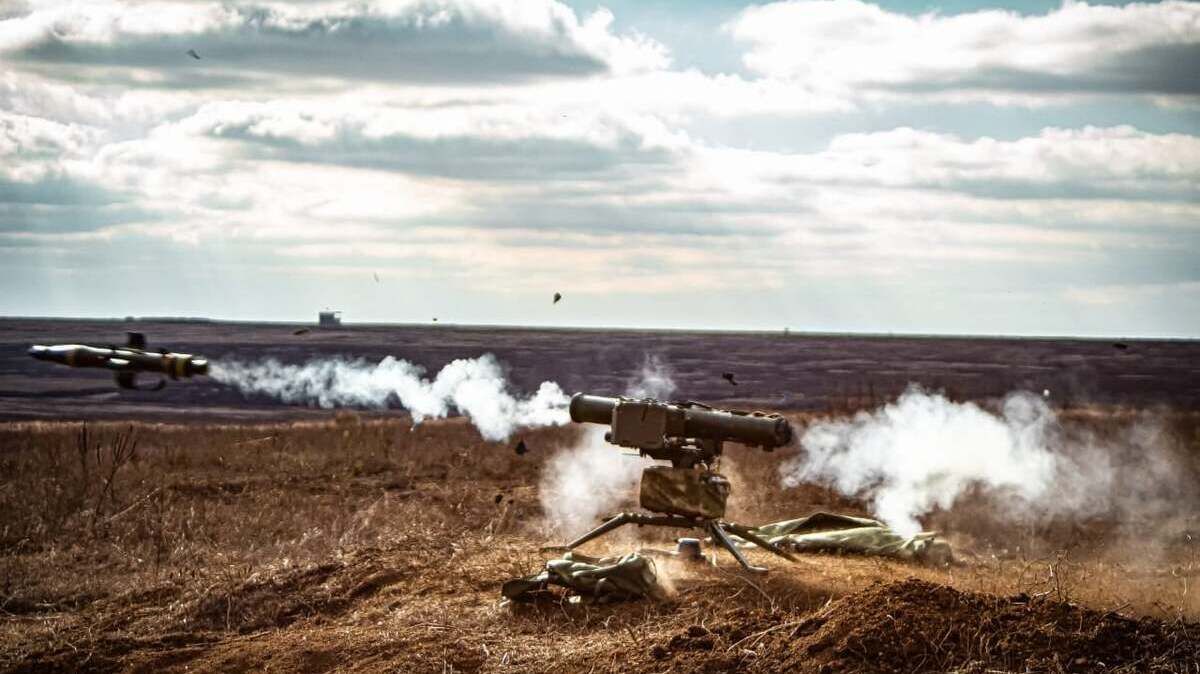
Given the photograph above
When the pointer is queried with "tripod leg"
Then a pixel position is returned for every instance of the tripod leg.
(616, 522)
(758, 540)
(719, 536)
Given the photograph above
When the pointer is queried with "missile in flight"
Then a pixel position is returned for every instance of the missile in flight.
(125, 361)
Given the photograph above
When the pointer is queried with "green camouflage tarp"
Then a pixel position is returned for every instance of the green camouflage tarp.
(827, 532)
(631, 576)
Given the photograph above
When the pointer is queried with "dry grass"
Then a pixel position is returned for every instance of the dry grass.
(364, 544)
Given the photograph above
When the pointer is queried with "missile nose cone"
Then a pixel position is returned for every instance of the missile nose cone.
(38, 351)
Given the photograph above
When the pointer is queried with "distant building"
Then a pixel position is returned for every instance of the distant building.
(329, 319)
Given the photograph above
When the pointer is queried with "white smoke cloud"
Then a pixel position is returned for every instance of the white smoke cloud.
(590, 480)
(923, 452)
(654, 379)
(474, 387)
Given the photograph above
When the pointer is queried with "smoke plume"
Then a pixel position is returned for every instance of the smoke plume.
(923, 452)
(473, 387)
(653, 380)
(592, 479)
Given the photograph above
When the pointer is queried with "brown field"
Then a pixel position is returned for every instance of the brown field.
(361, 544)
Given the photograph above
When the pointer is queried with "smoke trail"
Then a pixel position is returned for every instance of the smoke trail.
(474, 387)
(923, 452)
(592, 479)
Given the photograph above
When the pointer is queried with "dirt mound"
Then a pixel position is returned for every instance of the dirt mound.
(917, 626)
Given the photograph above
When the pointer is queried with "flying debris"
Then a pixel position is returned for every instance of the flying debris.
(193, 54)
(301, 331)
(498, 499)
(435, 319)
(1120, 346)
(728, 376)
(125, 361)
(557, 297)
(376, 275)
(520, 448)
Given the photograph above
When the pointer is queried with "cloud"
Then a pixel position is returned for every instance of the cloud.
(688, 92)
(1113, 163)
(44, 162)
(48, 183)
(92, 211)
(1112, 295)
(629, 167)
(33, 138)
(535, 147)
(447, 41)
(861, 49)
(514, 193)
(466, 142)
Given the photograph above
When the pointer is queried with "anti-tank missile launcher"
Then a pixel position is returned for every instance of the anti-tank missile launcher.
(685, 433)
(688, 493)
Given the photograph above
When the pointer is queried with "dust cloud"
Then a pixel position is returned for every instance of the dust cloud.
(924, 452)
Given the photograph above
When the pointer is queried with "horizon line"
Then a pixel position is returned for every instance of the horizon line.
(786, 331)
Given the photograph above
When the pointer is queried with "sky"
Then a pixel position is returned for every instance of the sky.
(967, 167)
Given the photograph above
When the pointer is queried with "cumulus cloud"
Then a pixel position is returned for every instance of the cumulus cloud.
(1088, 163)
(648, 163)
(623, 203)
(999, 55)
(502, 142)
(397, 41)
(121, 112)
(45, 176)
(34, 138)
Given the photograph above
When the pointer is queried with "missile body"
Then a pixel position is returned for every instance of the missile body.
(125, 361)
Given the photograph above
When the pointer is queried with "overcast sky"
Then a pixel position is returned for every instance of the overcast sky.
(831, 165)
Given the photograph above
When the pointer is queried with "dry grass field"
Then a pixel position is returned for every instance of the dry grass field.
(362, 544)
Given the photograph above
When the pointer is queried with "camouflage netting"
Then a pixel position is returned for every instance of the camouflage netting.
(603, 579)
(633, 576)
(828, 532)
